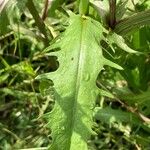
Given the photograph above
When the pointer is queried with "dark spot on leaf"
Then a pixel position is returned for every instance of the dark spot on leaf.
(104, 34)
(144, 108)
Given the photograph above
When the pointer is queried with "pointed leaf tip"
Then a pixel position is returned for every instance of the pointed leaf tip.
(114, 38)
(112, 64)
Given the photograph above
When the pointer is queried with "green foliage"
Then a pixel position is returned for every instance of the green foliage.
(9, 11)
(76, 59)
(110, 116)
(133, 22)
(83, 7)
(69, 79)
(55, 5)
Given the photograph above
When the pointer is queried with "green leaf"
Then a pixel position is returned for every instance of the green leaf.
(23, 67)
(132, 98)
(106, 93)
(10, 13)
(80, 61)
(18, 94)
(4, 21)
(129, 24)
(4, 77)
(121, 9)
(45, 87)
(102, 8)
(109, 115)
(114, 38)
(54, 5)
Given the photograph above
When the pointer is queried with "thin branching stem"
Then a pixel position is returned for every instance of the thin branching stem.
(44, 15)
(38, 20)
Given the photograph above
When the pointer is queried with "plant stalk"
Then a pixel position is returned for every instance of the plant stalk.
(44, 15)
(38, 20)
(83, 7)
(112, 13)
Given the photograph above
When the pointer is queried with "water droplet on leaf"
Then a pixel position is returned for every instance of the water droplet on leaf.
(63, 128)
(87, 77)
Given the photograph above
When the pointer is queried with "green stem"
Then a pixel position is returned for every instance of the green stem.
(83, 7)
(38, 20)
(11, 133)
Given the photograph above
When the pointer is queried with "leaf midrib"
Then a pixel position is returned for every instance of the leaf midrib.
(78, 78)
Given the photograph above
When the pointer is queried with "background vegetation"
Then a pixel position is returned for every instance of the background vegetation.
(122, 108)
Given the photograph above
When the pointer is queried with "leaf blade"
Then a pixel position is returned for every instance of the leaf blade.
(75, 99)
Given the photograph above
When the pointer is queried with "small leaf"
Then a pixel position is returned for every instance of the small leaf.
(105, 115)
(18, 93)
(54, 5)
(114, 38)
(112, 64)
(102, 8)
(3, 77)
(24, 67)
(10, 14)
(130, 97)
(106, 93)
(121, 9)
(45, 87)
